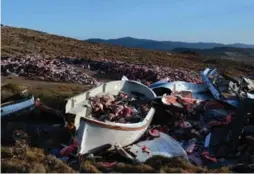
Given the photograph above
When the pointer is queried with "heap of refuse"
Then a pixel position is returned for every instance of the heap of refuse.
(45, 69)
(122, 108)
(209, 124)
(144, 73)
(75, 70)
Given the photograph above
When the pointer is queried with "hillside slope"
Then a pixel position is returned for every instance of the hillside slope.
(21, 41)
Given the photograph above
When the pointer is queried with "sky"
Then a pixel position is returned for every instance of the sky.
(221, 21)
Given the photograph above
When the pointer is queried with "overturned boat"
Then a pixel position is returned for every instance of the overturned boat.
(12, 107)
(184, 89)
(93, 133)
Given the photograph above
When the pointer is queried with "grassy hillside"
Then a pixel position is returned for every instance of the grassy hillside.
(21, 41)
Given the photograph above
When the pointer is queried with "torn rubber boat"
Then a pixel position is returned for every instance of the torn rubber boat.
(92, 133)
(12, 107)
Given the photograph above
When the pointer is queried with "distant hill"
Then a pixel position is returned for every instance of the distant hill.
(164, 45)
(219, 51)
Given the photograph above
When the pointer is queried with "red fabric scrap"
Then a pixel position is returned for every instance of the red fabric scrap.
(206, 155)
(37, 102)
(126, 111)
(146, 149)
(228, 119)
(122, 95)
(67, 150)
(154, 132)
(107, 164)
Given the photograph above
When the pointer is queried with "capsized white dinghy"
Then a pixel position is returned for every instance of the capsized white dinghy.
(92, 133)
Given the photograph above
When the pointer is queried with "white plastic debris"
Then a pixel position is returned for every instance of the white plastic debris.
(164, 145)
(124, 78)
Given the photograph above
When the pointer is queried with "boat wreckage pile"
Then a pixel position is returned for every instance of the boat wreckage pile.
(122, 108)
(45, 69)
(75, 70)
(143, 73)
(209, 124)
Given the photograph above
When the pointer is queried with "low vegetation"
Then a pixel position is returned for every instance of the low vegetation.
(12, 87)
(32, 160)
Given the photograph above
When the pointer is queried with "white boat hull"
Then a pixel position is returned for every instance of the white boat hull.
(92, 133)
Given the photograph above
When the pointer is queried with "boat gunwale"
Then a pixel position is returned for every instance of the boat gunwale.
(101, 85)
(122, 127)
(112, 125)
(203, 87)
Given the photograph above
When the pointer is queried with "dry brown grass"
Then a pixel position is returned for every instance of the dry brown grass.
(52, 93)
(156, 164)
(89, 167)
(21, 41)
(12, 87)
(179, 165)
(173, 165)
(128, 168)
(36, 161)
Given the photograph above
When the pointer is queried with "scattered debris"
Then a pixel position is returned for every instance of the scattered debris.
(209, 124)
(163, 145)
(45, 69)
(122, 108)
(73, 70)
